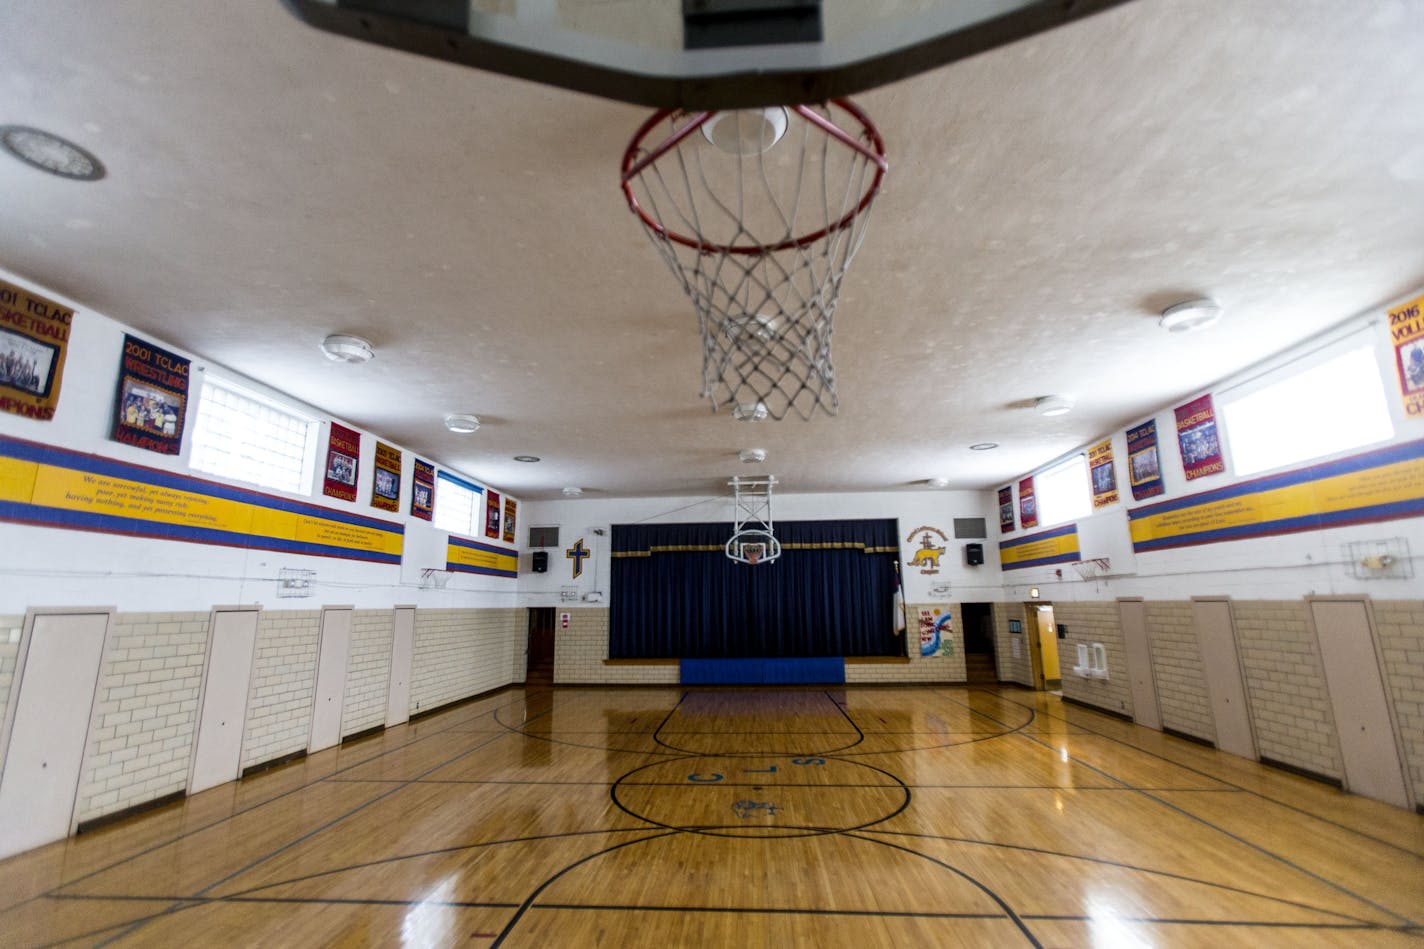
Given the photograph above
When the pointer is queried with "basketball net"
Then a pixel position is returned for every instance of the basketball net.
(753, 553)
(758, 213)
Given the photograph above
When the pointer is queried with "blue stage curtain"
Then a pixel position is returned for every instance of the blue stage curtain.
(675, 594)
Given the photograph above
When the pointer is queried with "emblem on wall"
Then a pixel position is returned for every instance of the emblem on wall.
(577, 553)
(927, 555)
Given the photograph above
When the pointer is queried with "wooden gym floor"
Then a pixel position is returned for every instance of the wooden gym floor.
(780, 817)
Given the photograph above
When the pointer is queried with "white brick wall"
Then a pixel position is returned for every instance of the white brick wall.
(147, 710)
(1094, 623)
(1177, 669)
(579, 652)
(1400, 624)
(10, 627)
(1290, 704)
(283, 685)
(459, 653)
(368, 670)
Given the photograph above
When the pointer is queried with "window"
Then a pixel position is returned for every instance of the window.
(1333, 406)
(242, 436)
(1062, 491)
(457, 506)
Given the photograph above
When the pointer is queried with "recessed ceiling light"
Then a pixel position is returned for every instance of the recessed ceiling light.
(938, 482)
(983, 446)
(339, 347)
(1051, 405)
(573, 492)
(462, 424)
(752, 456)
(1191, 315)
(49, 152)
(527, 459)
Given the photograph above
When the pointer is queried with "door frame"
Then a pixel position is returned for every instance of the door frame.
(13, 701)
(203, 689)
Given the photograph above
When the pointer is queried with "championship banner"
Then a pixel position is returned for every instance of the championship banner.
(54, 487)
(471, 556)
(1406, 334)
(1198, 439)
(1006, 509)
(1028, 504)
(1059, 545)
(1104, 473)
(34, 334)
(492, 515)
(1144, 467)
(385, 489)
(1382, 485)
(152, 398)
(422, 491)
(509, 506)
(343, 452)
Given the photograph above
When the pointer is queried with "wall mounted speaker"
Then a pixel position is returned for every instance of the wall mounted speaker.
(541, 561)
(974, 554)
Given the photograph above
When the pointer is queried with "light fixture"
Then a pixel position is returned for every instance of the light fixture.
(462, 424)
(983, 446)
(48, 152)
(527, 459)
(1051, 405)
(750, 411)
(752, 456)
(746, 131)
(938, 482)
(340, 347)
(1189, 316)
(1033, 593)
(572, 492)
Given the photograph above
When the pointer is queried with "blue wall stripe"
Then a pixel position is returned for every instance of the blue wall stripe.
(1063, 531)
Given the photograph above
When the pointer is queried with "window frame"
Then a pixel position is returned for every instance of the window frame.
(305, 479)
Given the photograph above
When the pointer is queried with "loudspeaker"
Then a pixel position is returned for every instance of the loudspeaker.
(974, 554)
(541, 561)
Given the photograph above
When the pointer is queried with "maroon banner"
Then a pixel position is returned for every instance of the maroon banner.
(492, 514)
(1198, 439)
(1144, 466)
(509, 506)
(152, 398)
(1006, 509)
(422, 492)
(385, 489)
(343, 452)
(1028, 504)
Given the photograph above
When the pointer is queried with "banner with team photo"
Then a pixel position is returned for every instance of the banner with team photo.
(1103, 472)
(492, 514)
(1198, 439)
(34, 334)
(152, 398)
(509, 507)
(1006, 509)
(1406, 334)
(1028, 504)
(1144, 464)
(422, 491)
(343, 452)
(385, 488)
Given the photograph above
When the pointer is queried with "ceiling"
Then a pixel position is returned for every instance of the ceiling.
(269, 184)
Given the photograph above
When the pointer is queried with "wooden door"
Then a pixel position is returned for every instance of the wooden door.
(1138, 651)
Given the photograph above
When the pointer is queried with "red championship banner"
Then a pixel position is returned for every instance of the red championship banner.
(1198, 439)
(1028, 504)
(385, 489)
(1006, 509)
(509, 507)
(152, 398)
(492, 514)
(422, 491)
(343, 453)
(1104, 474)
(1406, 334)
(34, 333)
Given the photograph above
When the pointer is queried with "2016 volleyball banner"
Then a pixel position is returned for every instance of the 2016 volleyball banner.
(385, 486)
(1059, 545)
(422, 491)
(152, 398)
(1406, 335)
(470, 556)
(54, 487)
(1103, 472)
(1198, 439)
(34, 334)
(1144, 465)
(1382, 485)
(1006, 509)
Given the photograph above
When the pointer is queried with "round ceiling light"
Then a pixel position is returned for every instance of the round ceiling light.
(938, 482)
(1189, 316)
(573, 492)
(462, 424)
(983, 446)
(527, 459)
(340, 347)
(1051, 405)
(49, 152)
(752, 456)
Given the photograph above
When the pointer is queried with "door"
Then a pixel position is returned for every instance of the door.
(1143, 687)
(50, 731)
(398, 694)
(1221, 668)
(1357, 695)
(232, 639)
(332, 653)
(1045, 645)
(539, 666)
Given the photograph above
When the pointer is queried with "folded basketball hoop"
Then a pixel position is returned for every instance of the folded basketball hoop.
(759, 216)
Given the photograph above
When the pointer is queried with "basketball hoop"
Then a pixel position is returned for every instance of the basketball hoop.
(759, 216)
(753, 547)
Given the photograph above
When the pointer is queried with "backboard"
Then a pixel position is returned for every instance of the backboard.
(698, 54)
